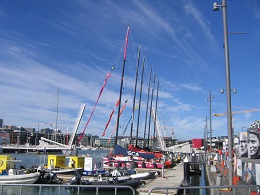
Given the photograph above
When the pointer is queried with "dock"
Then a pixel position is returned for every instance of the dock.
(173, 177)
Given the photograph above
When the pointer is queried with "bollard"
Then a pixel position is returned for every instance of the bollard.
(186, 166)
(193, 158)
(163, 164)
(219, 180)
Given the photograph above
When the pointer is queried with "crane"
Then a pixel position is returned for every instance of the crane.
(239, 112)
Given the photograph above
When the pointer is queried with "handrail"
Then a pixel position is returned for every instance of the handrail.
(234, 189)
(166, 190)
(73, 187)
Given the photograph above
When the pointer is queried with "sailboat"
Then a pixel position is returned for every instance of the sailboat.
(146, 158)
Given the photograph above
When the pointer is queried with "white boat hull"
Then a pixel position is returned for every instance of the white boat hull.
(140, 175)
(20, 179)
(65, 171)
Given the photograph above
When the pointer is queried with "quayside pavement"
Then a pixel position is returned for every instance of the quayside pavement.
(217, 172)
(172, 177)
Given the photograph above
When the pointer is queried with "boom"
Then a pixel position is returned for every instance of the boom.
(76, 126)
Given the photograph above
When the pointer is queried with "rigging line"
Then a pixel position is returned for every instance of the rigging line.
(131, 38)
(165, 110)
(147, 68)
(162, 111)
(129, 75)
(118, 56)
(127, 124)
(147, 71)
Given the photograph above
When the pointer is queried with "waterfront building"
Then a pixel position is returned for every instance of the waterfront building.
(104, 142)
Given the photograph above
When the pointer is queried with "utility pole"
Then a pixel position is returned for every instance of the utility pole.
(228, 88)
(210, 118)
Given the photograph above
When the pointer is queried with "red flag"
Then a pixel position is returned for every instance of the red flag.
(123, 107)
(101, 90)
(117, 103)
(126, 42)
(103, 134)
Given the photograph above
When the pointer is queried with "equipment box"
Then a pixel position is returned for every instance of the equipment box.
(76, 162)
(92, 164)
(56, 161)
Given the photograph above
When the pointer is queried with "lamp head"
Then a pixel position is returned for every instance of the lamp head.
(221, 90)
(216, 6)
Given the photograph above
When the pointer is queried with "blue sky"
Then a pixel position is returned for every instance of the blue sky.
(72, 45)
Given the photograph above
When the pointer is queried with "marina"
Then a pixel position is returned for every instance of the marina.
(169, 181)
(159, 144)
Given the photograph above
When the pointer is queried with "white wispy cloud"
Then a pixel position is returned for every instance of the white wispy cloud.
(190, 9)
(191, 86)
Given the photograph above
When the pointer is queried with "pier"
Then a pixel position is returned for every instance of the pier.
(172, 178)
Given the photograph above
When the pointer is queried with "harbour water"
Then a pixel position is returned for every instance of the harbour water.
(199, 180)
(28, 160)
(39, 159)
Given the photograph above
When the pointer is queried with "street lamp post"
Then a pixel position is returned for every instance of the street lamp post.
(210, 117)
(228, 87)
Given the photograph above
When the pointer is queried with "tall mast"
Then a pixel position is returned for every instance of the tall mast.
(121, 85)
(136, 78)
(147, 105)
(140, 100)
(151, 108)
(155, 113)
(57, 115)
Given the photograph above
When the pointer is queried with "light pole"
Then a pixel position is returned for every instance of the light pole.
(210, 121)
(206, 136)
(216, 7)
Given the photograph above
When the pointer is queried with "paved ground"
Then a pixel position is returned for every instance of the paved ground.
(172, 178)
(214, 177)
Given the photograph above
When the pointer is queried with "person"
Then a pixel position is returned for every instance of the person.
(72, 163)
(254, 143)
(243, 150)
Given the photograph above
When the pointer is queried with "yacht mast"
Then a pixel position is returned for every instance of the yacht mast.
(133, 109)
(147, 105)
(121, 85)
(140, 100)
(151, 108)
(155, 113)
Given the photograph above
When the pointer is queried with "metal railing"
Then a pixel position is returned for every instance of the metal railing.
(40, 189)
(213, 190)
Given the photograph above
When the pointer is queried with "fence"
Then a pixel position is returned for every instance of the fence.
(213, 190)
(42, 189)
